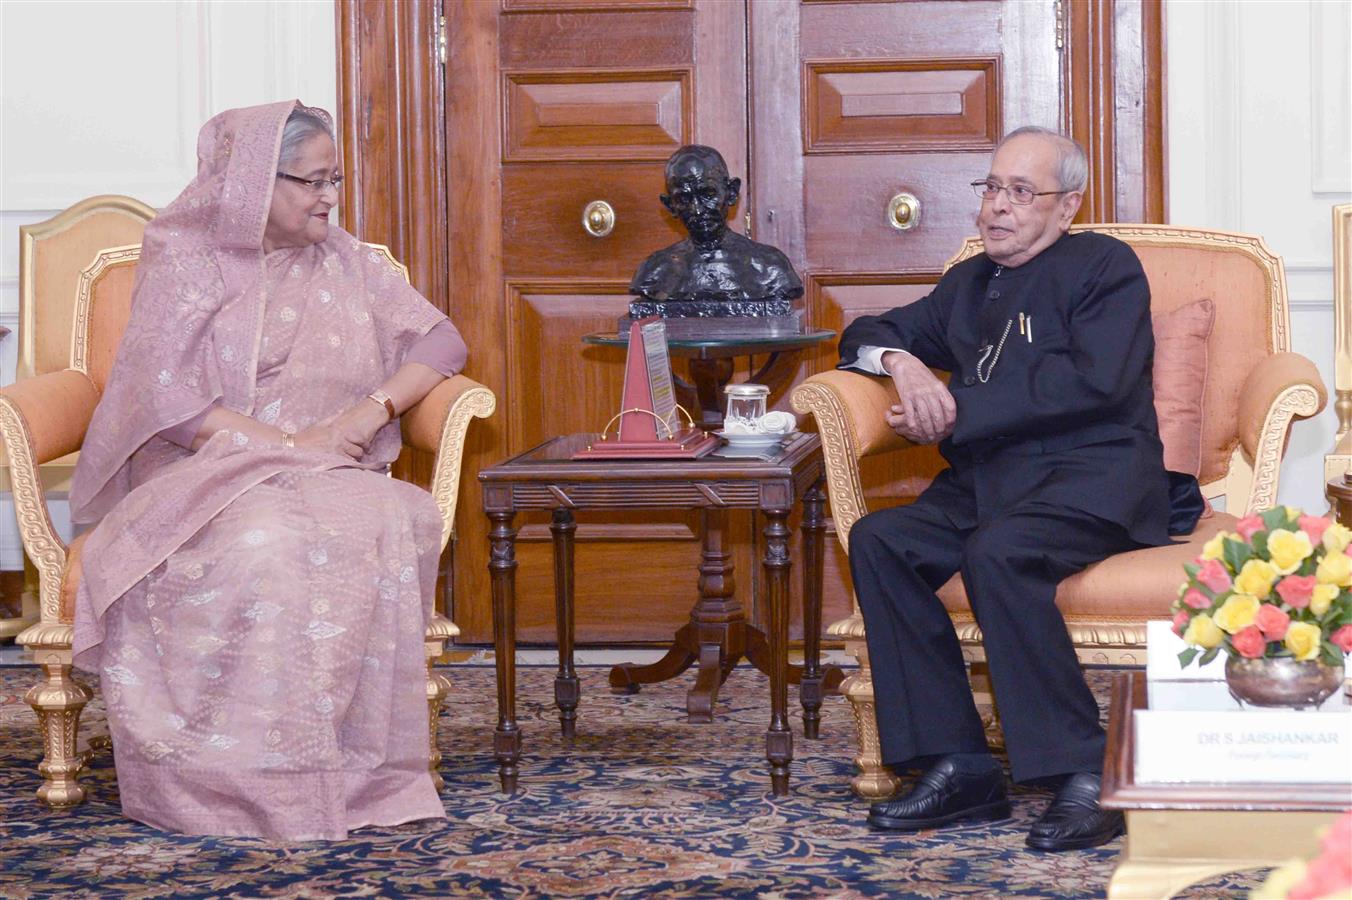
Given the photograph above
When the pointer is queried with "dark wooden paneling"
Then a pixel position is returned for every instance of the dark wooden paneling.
(898, 105)
(846, 199)
(577, 115)
(391, 116)
(574, 386)
(598, 40)
(555, 6)
(542, 218)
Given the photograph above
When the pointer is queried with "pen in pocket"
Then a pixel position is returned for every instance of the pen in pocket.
(1029, 333)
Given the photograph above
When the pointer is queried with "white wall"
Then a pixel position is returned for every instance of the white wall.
(1260, 141)
(106, 97)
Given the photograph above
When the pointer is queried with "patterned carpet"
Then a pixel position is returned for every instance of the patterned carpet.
(642, 804)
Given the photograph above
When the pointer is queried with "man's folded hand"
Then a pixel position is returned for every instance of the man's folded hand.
(926, 411)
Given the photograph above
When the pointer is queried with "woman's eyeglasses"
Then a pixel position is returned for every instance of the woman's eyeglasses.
(316, 185)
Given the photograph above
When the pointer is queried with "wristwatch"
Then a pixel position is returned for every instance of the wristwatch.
(384, 400)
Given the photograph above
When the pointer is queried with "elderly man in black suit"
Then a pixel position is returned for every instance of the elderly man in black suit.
(1049, 428)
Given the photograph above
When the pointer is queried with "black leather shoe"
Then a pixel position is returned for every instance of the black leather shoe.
(1075, 820)
(944, 796)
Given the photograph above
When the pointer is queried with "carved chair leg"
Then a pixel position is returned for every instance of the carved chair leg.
(436, 692)
(983, 694)
(58, 700)
(874, 781)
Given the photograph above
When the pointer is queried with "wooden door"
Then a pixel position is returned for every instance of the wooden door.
(551, 105)
(853, 104)
(485, 152)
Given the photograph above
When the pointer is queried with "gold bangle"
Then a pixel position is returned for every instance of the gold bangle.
(384, 400)
(288, 439)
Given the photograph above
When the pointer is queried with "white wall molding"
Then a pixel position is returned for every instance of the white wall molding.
(1223, 131)
(1330, 98)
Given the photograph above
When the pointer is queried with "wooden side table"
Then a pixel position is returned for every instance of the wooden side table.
(1178, 834)
(718, 634)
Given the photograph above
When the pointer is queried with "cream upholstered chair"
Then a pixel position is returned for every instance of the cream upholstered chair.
(45, 417)
(51, 255)
(1254, 389)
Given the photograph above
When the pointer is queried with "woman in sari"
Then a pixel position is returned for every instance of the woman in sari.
(255, 594)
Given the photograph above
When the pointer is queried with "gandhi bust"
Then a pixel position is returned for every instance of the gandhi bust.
(716, 272)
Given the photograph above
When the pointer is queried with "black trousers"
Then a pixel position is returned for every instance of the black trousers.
(1011, 561)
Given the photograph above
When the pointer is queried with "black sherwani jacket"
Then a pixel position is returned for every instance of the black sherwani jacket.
(1065, 415)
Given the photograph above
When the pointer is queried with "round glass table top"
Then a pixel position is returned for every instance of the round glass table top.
(729, 346)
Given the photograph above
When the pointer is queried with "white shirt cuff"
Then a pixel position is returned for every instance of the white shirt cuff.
(870, 359)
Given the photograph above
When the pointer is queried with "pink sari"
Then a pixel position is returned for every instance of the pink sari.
(256, 613)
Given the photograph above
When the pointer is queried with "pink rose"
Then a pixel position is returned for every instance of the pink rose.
(1296, 590)
(1326, 875)
(1196, 599)
(1272, 622)
(1343, 638)
(1213, 575)
(1181, 619)
(1249, 642)
(1314, 526)
(1249, 526)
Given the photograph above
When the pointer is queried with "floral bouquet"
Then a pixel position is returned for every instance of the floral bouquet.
(1277, 586)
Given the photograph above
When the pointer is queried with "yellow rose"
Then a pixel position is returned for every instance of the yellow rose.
(1335, 568)
(1237, 612)
(1322, 598)
(1256, 578)
(1302, 639)
(1215, 548)
(1336, 537)
(1292, 513)
(1288, 549)
(1202, 632)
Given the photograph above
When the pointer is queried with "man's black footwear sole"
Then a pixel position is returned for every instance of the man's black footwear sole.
(990, 812)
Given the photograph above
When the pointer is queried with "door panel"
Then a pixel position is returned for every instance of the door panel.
(550, 106)
(854, 103)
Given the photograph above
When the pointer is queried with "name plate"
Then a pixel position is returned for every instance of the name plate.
(1196, 732)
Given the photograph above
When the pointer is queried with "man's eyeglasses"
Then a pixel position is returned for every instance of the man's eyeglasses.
(1020, 194)
(316, 185)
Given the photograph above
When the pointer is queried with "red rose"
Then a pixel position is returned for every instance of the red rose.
(1181, 619)
(1272, 622)
(1314, 526)
(1249, 642)
(1213, 575)
(1295, 590)
(1343, 638)
(1249, 526)
(1196, 599)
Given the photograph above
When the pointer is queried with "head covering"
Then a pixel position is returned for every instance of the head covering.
(197, 304)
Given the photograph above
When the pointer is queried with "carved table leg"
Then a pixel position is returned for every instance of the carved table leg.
(810, 683)
(778, 739)
(566, 688)
(58, 700)
(502, 570)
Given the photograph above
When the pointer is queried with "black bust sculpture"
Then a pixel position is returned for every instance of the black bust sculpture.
(716, 272)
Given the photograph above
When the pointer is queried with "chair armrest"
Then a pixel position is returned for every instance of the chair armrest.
(437, 424)
(849, 409)
(1280, 389)
(42, 419)
(53, 412)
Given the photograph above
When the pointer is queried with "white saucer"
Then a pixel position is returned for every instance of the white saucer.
(752, 441)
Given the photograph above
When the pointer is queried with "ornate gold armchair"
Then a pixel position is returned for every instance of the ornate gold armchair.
(1254, 389)
(44, 418)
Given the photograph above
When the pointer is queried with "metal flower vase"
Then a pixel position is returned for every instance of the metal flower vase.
(1281, 681)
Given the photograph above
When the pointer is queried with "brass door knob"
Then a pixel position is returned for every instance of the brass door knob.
(598, 218)
(903, 212)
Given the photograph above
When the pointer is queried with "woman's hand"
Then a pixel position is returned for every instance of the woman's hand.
(349, 433)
